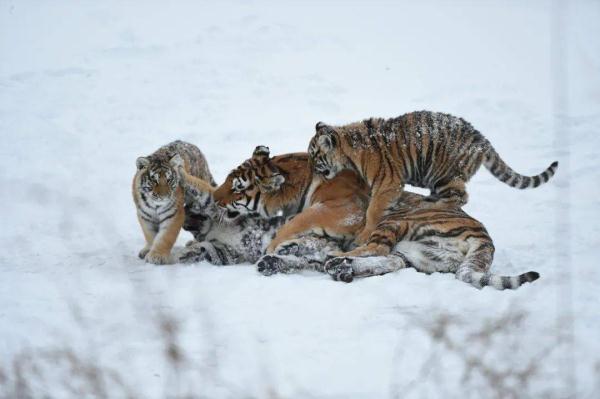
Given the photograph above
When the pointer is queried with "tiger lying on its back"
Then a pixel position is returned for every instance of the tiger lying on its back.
(228, 240)
(327, 214)
(162, 206)
(430, 238)
(425, 149)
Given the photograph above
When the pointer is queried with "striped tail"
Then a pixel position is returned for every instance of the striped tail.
(506, 174)
(480, 280)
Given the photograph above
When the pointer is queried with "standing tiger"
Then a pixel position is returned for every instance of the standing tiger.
(161, 203)
(425, 149)
(437, 237)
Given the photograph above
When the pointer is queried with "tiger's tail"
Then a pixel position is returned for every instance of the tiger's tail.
(480, 279)
(506, 174)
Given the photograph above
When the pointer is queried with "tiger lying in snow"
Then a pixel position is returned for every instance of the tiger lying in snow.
(414, 232)
(430, 238)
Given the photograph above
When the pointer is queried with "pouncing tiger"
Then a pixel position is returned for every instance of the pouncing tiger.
(431, 238)
(426, 149)
(161, 203)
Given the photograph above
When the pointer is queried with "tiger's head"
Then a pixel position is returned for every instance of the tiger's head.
(244, 187)
(324, 152)
(159, 177)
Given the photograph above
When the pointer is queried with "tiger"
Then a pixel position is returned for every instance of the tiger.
(425, 149)
(163, 207)
(430, 238)
(322, 215)
(225, 239)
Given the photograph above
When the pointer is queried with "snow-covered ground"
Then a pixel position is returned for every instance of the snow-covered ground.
(86, 87)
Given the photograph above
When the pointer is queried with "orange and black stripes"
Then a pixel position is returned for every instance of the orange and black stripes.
(430, 238)
(425, 149)
(432, 150)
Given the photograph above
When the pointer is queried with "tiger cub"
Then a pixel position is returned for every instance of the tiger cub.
(326, 214)
(430, 238)
(160, 200)
(425, 149)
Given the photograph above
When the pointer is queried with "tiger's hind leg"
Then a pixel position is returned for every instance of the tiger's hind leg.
(346, 268)
(214, 252)
(453, 193)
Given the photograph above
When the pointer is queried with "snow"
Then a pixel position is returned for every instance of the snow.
(86, 88)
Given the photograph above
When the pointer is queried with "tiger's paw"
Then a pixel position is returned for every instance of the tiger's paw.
(158, 258)
(193, 253)
(268, 265)
(340, 269)
(142, 254)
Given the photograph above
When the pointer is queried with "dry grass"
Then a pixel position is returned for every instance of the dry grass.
(493, 358)
(490, 358)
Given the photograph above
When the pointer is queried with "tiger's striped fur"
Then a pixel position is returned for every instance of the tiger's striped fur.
(162, 205)
(242, 239)
(430, 237)
(331, 211)
(425, 149)
(266, 186)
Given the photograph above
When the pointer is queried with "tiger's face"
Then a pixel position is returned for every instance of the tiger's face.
(158, 177)
(244, 187)
(324, 152)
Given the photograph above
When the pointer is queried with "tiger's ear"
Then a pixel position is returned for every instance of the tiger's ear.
(176, 161)
(142, 162)
(261, 153)
(271, 183)
(319, 126)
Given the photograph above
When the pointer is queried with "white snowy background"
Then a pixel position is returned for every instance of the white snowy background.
(86, 87)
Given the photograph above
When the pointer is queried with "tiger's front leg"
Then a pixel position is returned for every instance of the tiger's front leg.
(160, 252)
(273, 264)
(346, 268)
(380, 201)
(304, 253)
(320, 220)
(149, 230)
